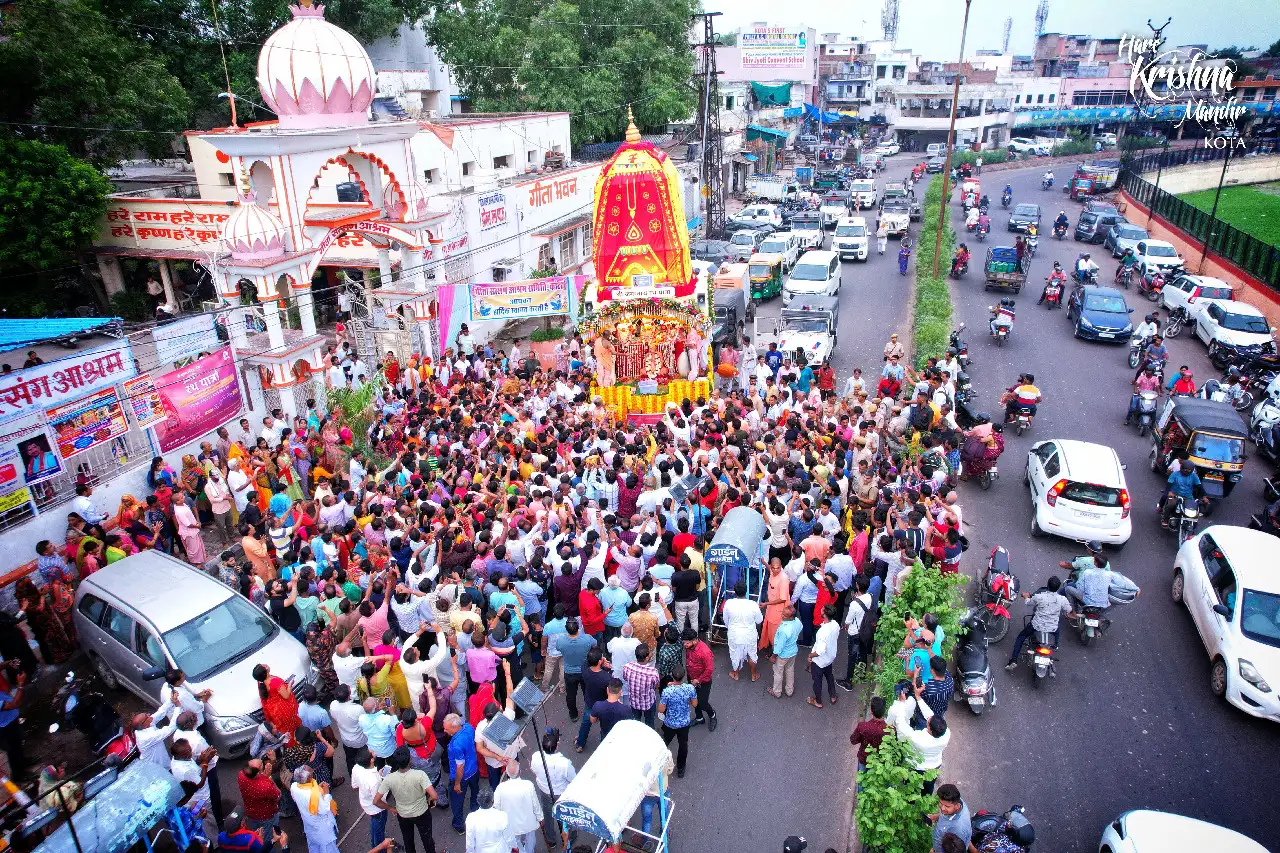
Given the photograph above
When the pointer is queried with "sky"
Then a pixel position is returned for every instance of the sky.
(932, 27)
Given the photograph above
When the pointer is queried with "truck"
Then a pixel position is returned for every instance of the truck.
(1002, 271)
(896, 216)
(772, 188)
(734, 278)
(806, 329)
(1092, 178)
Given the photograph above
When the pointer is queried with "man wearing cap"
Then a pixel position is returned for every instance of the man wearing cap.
(894, 349)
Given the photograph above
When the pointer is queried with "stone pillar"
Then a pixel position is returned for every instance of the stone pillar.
(415, 263)
(306, 310)
(282, 377)
(275, 333)
(112, 278)
(384, 266)
(166, 279)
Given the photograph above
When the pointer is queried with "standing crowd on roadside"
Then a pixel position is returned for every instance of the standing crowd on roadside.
(494, 522)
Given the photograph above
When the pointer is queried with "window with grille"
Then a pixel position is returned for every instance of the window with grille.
(568, 250)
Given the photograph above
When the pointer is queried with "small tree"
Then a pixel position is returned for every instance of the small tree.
(923, 591)
(50, 204)
(891, 802)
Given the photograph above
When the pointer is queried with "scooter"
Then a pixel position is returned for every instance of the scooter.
(1046, 183)
(1123, 276)
(1053, 294)
(1263, 428)
(1008, 831)
(1146, 411)
(999, 589)
(960, 346)
(1033, 243)
(1041, 664)
(1151, 287)
(1060, 232)
(981, 233)
(1088, 277)
(87, 711)
(1006, 199)
(1177, 320)
(974, 684)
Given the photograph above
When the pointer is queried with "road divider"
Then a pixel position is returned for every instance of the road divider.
(931, 313)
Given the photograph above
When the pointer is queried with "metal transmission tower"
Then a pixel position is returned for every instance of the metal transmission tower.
(1042, 15)
(1008, 28)
(889, 21)
(709, 127)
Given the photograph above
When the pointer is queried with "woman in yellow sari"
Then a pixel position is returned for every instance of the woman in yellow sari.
(374, 678)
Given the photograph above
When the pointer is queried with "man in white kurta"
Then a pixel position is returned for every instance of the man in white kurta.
(742, 618)
(487, 827)
(518, 800)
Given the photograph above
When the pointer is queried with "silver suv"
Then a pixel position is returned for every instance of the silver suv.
(143, 615)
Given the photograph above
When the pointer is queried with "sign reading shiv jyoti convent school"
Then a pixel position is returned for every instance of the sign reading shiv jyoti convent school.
(772, 47)
(515, 300)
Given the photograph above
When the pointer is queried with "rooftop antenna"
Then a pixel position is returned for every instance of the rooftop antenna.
(1042, 15)
(889, 21)
(1008, 28)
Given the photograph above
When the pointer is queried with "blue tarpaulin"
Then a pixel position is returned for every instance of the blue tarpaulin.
(828, 116)
(15, 334)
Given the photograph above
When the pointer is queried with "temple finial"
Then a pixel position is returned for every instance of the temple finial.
(633, 132)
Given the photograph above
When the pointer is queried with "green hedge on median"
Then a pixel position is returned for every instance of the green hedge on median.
(931, 315)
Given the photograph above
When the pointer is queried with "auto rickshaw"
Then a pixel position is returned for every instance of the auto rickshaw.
(766, 276)
(1082, 188)
(1209, 433)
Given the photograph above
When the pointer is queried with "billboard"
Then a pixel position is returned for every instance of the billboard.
(773, 47)
(92, 420)
(197, 399)
(26, 453)
(180, 338)
(57, 382)
(144, 400)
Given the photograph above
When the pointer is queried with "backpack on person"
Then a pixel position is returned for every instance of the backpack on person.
(870, 620)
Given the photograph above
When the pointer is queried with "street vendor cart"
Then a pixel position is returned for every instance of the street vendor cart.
(735, 554)
(631, 766)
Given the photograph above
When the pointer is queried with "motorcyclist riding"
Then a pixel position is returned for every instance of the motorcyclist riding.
(1062, 221)
(1127, 262)
(1003, 315)
(961, 258)
(1091, 586)
(1085, 267)
(1048, 178)
(1057, 278)
(1183, 483)
(1008, 192)
(1183, 383)
(984, 221)
(1048, 605)
(971, 218)
(1022, 397)
(1154, 353)
(1146, 380)
(984, 202)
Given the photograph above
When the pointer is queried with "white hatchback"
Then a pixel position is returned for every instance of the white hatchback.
(1226, 577)
(1078, 492)
(1150, 831)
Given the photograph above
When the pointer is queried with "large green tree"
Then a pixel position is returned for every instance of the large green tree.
(588, 57)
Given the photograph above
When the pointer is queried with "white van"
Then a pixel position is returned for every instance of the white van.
(935, 149)
(785, 243)
(851, 239)
(817, 273)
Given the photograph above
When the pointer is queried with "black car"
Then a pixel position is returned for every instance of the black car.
(1099, 313)
(1024, 216)
(934, 165)
(712, 251)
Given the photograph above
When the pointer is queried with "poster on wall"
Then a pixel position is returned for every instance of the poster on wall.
(197, 399)
(144, 400)
(517, 300)
(493, 210)
(26, 453)
(13, 500)
(179, 339)
(773, 47)
(92, 420)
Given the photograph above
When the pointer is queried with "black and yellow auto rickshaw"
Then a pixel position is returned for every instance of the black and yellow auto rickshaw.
(1209, 433)
(766, 276)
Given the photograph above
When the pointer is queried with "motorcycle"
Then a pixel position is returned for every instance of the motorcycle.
(1146, 411)
(1151, 287)
(1123, 276)
(999, 589)
(1214, 390)
(1177, 320)
(84, 709)
(1053, 294)
(1185, 518)
(1060, 232)
(959, 271)
(975, 684)
(1041, 664)
(1046, 183)
(981, 233)
(960, 346)
(1137, 343)
(1264, 429)
(1005, 832)
(1262, 520)
(1088, 277)
(1006, 199)
(1033, 243)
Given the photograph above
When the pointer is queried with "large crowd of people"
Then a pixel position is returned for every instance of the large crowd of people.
(494, 522)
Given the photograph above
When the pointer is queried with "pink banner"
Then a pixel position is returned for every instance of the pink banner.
(197, 399)
(444, 314)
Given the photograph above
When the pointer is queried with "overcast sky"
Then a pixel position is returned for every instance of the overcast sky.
(932, 27)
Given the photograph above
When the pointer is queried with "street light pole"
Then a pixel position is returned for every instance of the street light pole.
(1213, 214)
(951, 132)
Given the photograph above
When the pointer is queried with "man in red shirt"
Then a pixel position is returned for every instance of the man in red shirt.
(683, 539)
(868, 733)
(260, 795)
(701, 665)
(590, 610)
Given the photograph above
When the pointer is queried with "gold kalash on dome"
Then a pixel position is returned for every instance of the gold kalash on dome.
(648, 319)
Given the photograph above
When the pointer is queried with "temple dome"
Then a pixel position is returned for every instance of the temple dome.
(639, 223)
(253, 232)
(314, 74)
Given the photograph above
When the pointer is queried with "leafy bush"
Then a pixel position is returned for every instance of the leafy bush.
(972, 157)
(923, 591)
(891, 801)
(1066, 149)
(539, 336)
(132, 305)
(932, 311)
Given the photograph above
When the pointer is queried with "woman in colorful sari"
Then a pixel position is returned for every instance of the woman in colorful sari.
(395, 677)
(288, 477)
(279, 705)
(188, 529)
(49, 615)
(321, 641)
(331, 455)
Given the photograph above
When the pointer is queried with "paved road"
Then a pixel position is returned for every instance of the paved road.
(1129, 722)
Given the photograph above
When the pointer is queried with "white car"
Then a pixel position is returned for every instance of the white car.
(1078, 492)
(851, 240)
(1023, 145)
(760, 214)
(785, 243)
(1226, 577)
(1149, 831)
(833, 209)
(864, 194)
(1182, 291)
(817, 273)
(1229, 325)
(1153, 255)
(888, 149)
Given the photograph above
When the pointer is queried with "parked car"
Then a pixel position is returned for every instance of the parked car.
(1182, 291)
(1092, 225)
(935, 165)
(784, 243)
(760, 214)
(1226, 578)
(816, 274)
(1108, 140)
(1144, 830)
(936, 149)
(1123, 235)
(1099, 313)
(713, 251)
(744, 244)
(1156, 255)
(1023, 145)
(1078, 492)
(851, 240)
(146, 614)
(1023, 216)
(1229, 327)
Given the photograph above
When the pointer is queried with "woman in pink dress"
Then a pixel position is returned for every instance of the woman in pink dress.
(188, 529)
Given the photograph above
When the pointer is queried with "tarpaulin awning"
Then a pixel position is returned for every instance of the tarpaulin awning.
(810, 111)
(15, 334)
(768, 134)
(772, 95)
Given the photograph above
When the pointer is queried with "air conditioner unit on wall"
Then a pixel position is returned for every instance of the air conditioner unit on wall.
(504, 272)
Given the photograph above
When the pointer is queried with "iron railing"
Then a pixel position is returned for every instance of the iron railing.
(1254, 256)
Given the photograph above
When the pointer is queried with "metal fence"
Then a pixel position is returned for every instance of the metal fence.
(1245, 251)
(1173, 157)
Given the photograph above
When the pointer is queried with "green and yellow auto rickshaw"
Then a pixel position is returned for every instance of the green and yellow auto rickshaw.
(1207, 432)
(766, 276)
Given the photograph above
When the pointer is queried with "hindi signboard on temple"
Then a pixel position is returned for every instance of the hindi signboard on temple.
(493, 210)
(49, 385)
(516, 300)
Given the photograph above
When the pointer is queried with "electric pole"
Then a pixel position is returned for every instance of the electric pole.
(944, 210)
(712, 166)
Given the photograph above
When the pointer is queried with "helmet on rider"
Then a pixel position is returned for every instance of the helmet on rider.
(1186, 466)
(1006, 302)
(1093, 546)
(1057, 266)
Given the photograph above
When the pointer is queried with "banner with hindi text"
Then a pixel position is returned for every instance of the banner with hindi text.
(197, 399)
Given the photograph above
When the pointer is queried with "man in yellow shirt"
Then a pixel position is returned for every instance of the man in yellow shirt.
(1022, 397)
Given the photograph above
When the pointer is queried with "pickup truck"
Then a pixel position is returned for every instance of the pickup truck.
(770, 188)
(809, 226)
(896, 216)
(833, 208)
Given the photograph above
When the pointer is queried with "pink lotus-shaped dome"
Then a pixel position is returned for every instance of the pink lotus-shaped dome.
(252, 232)
(416, 205)
(314, 74)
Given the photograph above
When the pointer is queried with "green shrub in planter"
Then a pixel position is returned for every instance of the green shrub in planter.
(539, 336)
(891, 802)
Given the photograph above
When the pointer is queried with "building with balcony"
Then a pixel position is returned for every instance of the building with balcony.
(919, 110)
(771, 56)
